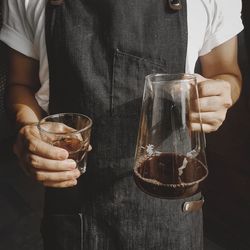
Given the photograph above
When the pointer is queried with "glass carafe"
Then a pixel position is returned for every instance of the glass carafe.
(170, 158)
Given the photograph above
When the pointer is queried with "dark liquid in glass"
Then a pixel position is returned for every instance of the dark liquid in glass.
(169, 175)
(74, 146)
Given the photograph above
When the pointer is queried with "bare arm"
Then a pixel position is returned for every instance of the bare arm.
(219, 87)
(48, 164)
(222, 63)
(22, 84)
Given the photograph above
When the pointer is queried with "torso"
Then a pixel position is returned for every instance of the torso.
(206, 20)
(105, 81)
(198, 11)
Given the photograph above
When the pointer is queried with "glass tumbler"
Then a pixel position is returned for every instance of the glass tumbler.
(69, 131)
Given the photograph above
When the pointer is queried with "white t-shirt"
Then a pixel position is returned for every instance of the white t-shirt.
(210, 23)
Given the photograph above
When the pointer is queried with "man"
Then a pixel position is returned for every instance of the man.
(98, 55)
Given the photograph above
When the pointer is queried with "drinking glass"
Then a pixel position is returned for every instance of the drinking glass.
(69, 131)
(170, 157)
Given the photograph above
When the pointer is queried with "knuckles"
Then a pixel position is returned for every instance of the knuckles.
(31, 146)
(33, 161)
(203, 89)
(26, 147)
(25, 131)
(228, 103)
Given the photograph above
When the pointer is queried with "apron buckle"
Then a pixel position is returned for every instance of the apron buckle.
(175, 4)
(192, 206)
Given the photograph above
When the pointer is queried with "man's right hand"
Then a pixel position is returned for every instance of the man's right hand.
(46, 163)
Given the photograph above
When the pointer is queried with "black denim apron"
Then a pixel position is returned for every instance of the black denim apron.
(99, 53)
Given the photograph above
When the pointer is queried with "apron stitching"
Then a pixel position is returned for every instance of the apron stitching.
(81, 231)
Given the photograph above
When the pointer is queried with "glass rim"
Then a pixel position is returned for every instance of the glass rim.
(39, 125)
(177, 75)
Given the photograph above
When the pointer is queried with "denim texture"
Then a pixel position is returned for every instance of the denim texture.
(99, 54)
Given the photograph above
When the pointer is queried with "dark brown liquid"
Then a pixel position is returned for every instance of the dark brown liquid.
(169, 175)
(74, 146)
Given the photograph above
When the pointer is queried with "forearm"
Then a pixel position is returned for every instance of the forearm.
(22, 106)
(221, 63)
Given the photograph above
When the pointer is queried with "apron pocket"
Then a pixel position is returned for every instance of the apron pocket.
(129, 73)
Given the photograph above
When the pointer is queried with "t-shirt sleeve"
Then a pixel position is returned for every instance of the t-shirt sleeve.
(224, 23)
(16, 31)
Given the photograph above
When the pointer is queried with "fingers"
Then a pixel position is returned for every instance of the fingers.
(43, 149)
(218, 90)
(29, 140)
(213, 118)
(214, 103)
(38, 162)
(46, 163)
(207, 128)
(212, 88)
(48, 170)
(45, 176)
(53, 173)
(63, 184)
(211, 104)
(211, 121)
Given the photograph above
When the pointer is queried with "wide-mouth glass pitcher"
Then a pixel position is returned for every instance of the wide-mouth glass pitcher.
(170, 157)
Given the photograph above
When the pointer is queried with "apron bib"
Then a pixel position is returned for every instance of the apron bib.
(99, 54)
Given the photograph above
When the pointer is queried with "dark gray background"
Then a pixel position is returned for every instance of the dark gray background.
(227, 208)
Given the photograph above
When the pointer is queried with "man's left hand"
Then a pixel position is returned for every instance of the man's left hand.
(214, 101)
